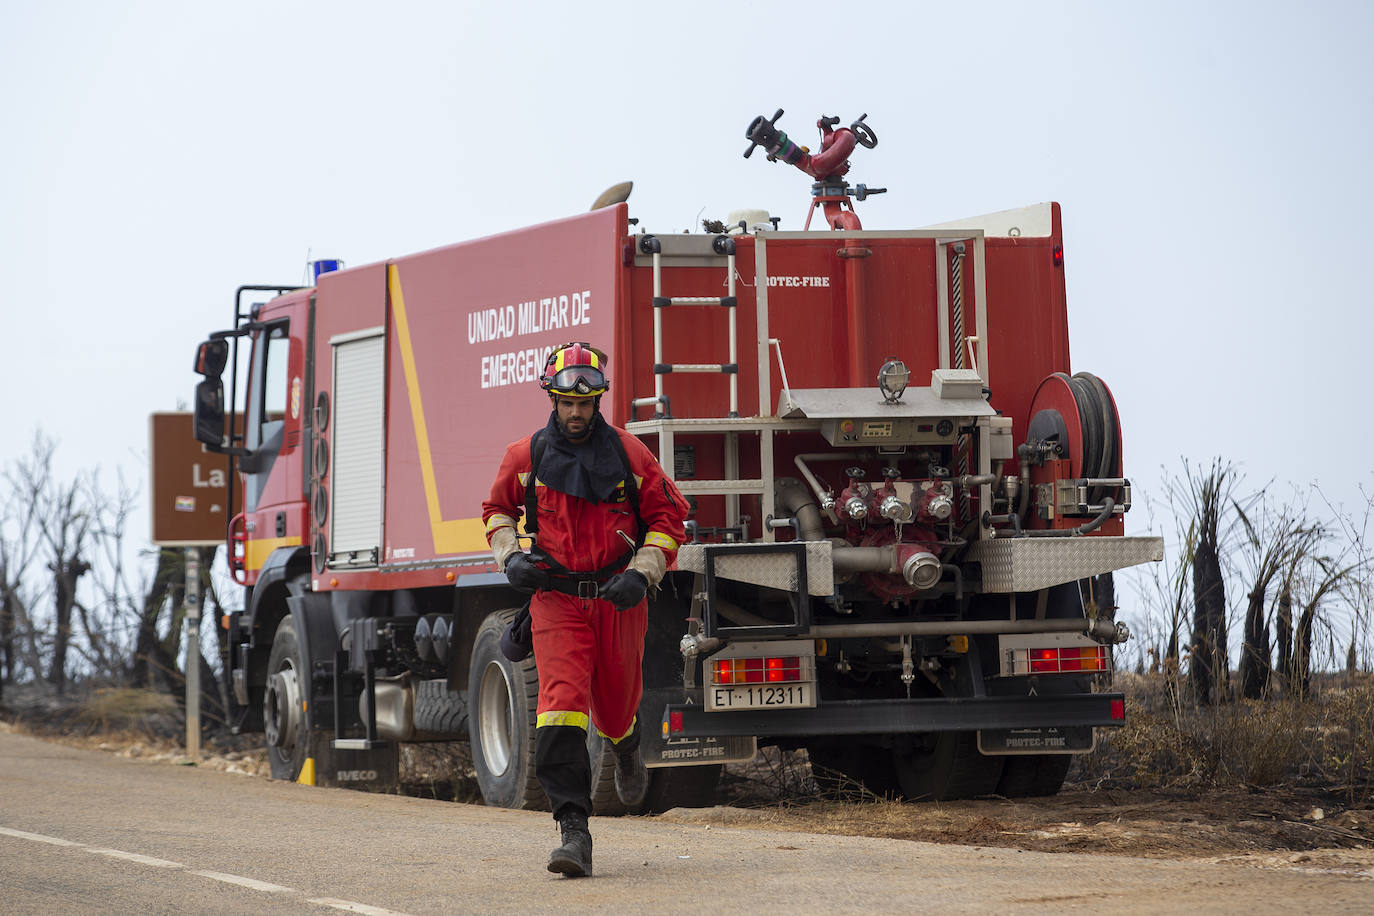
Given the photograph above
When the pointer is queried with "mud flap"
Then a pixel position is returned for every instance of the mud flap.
(661, 751)
(371, 770)
(1048, 739)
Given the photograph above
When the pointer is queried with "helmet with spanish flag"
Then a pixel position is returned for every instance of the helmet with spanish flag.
(575, 370)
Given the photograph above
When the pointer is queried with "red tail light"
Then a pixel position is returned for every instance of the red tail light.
(1061, 660)
(756, 670)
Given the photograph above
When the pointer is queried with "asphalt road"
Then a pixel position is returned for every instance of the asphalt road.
(86, 832)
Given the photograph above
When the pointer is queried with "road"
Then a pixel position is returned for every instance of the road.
(86, 832)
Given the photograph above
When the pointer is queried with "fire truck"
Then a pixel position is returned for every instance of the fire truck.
(901, 494)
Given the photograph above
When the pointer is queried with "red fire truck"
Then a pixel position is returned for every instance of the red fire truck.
(900, 494)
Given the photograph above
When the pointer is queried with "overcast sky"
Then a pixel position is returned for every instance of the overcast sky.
(1213, 161)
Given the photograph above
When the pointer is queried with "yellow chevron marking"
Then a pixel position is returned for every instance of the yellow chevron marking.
(459, 535)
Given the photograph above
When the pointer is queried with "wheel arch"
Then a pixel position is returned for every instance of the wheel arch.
(284, 575)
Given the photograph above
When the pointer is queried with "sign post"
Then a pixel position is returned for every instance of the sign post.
(190, 509)
(193, 652)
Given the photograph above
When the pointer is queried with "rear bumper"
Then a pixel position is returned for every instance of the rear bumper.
(877, 717)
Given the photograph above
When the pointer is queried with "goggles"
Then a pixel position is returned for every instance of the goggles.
(577, 381)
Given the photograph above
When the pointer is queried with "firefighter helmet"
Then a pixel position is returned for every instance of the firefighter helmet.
(575, 370)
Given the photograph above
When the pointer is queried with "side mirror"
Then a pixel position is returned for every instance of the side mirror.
(211, 356)
(208, 412)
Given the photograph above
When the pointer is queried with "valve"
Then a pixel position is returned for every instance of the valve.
(938, 503)
(894, 509)
(866, 137)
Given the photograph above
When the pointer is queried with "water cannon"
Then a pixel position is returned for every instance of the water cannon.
(828, 166)
(833, 159)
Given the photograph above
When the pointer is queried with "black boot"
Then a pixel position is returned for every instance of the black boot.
(574, 858)
(631, 776)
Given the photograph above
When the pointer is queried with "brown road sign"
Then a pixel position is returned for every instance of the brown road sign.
(190, 486)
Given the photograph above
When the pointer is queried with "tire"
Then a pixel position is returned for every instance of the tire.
(943, 766)
(439, 710)
(285, 722)
(863, 763)
(605, 801)
(1034, 775)
(502, 700)
(680, 787)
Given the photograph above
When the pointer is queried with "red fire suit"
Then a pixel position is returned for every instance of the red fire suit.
(590, 655)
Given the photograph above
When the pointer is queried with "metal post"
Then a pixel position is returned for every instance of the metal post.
(658, 331)
(193, 653)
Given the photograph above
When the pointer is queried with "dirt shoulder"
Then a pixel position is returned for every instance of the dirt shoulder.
(1273, 826)
(1286, 827)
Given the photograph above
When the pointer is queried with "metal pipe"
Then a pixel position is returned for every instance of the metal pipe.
(658, 319)
(864, 559)
(1098, 629)
(734, 334)
(958, 575)
(796, 502)
(1023, 452)
(858, 312)
(1107, 506)
(800, 462)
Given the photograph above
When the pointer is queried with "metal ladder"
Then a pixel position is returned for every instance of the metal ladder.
(722, 245)
(732, 485)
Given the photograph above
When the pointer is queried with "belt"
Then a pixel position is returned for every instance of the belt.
(585, 585)
(587, 588)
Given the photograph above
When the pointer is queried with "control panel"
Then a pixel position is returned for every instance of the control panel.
(869, 431)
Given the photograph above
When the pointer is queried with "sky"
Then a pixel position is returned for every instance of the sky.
(1213, 162)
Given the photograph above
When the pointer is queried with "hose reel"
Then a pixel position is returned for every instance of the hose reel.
(1074, 419)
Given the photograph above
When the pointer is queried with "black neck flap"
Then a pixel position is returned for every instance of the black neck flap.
(590, 469)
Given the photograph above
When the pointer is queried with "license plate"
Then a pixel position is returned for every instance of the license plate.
(1051, 739)
(760, 696)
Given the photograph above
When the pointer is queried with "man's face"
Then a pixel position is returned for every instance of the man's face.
(575, 416)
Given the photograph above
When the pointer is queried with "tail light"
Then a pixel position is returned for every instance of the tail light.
(1060, 660)
(770, 670)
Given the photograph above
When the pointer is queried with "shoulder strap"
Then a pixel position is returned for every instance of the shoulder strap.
(531, 496)
(631, 488)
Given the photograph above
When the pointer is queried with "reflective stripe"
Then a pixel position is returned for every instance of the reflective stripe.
(577, 719)
(523, 477)
(660, 540)
(622, 737)
(500, 521)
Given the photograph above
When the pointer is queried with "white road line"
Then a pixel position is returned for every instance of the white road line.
(249, 883)
(135, 857)
(39, 838)
(246, 882)
(352, 907)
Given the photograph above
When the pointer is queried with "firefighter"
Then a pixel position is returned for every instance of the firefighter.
(607, 524)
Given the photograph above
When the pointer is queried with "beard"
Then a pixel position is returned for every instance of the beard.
(575, 428)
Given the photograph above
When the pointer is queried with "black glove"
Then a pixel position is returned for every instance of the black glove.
(522, 572)
(625, 590)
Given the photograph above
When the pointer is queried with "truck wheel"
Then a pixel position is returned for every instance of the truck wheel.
(680, 787)
(283, 705)
(1034, 775)
(502, 700)
(439, 710)
(942, 766)
(863, 763)
(605, 801)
